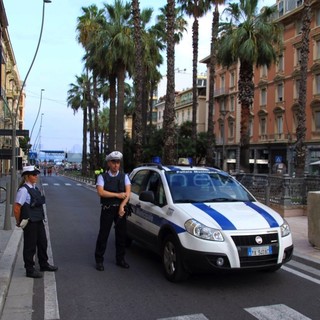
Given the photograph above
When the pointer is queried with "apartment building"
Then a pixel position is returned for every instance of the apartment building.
(11, 107)
(273, 120)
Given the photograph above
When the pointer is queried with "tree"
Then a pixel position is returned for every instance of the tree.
(252, 39)
(195, 9)
(168, 119)
(301, 112)
(212, 67)
(120, 55)
(77, 99)
(138, 76)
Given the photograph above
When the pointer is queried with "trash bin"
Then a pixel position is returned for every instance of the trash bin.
(314, 218)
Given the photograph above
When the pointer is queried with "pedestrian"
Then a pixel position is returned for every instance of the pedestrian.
(114, 189)
(29, 214)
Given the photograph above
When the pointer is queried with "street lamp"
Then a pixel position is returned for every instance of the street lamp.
(16, 109)
(35, 121)
(223, 113)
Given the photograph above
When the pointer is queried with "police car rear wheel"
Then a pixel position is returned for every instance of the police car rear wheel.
(171, 259)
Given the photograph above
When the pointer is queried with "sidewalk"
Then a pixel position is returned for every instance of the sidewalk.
(10, 240)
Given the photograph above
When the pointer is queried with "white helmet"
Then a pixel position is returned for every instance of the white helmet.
(115, 155)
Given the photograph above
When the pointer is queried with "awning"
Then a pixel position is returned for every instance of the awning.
(315, 163)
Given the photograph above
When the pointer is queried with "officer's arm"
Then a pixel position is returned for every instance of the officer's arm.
(107, 194)
(17, 212)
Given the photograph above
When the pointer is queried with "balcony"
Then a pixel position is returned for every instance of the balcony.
(221, 92)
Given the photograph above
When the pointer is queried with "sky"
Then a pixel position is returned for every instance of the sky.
(59, 61)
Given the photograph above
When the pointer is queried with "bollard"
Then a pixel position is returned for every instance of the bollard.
(313, 218)
(7, 216)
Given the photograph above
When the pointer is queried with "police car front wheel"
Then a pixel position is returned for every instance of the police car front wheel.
(172, 260)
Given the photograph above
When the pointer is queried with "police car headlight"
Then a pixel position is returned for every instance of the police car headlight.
(199, 230)
(285, 229)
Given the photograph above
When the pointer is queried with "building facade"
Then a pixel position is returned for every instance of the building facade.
(273, 120)
(11, 100)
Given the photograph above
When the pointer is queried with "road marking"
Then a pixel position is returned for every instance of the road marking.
(199, 316)
(67, 184)
(51, 305)
(56, 184)
(275, 312)
(300, 274)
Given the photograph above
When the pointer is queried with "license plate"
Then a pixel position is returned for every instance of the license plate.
(259, 251)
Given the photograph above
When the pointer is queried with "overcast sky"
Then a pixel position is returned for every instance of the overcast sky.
(59, 60)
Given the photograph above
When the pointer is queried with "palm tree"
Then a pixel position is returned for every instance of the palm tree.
(77, 99)
(195, 9)
(213, 59)
(301, 112)
(87, 27)
(168, 119)
(251, 39)
(120, 55)
(138, 76)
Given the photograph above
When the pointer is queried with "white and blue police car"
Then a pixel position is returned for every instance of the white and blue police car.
(202, 219)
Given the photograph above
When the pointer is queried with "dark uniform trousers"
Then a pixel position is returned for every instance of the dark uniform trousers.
(109, 216)
(35, 240)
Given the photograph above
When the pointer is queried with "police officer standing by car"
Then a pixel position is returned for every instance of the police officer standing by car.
(29, 214)
(114, 189)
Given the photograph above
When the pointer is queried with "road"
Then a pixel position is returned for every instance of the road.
(78, 291)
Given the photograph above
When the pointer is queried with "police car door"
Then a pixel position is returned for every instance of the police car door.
(153, 212)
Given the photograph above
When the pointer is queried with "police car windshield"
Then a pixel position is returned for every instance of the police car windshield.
(205, 186)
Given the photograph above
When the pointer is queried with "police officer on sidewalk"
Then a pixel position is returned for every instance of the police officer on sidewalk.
(114, 189)
(29, 214)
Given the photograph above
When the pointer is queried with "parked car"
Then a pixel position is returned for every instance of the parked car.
(202, 219)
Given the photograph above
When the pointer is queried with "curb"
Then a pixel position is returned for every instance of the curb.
(312, 262)
(7, 262)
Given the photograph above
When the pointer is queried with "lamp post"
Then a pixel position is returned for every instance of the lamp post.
(223, 113)
(15, 110)
(35, 121)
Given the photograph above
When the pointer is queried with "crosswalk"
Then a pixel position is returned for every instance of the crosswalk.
(67, 184)
(272, 312)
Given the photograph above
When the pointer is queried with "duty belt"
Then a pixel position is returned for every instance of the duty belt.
(108, 206)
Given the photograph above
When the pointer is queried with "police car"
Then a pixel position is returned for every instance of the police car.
(202, 219)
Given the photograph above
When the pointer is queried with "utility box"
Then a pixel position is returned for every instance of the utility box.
(314, 218)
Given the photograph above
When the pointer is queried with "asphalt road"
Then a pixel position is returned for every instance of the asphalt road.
(79, 291)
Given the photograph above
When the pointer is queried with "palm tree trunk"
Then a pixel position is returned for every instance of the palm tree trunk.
(112, 120)
(213, 59)
(137, 136)
(168, 119)
(301, 113)
(120, 109)
(246, 91)
(195, 40)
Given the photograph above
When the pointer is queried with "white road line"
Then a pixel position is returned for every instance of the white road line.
(300, 274)
(56, 184)
(276, 312)
(51, 305)
(199, 316)
(67, 184)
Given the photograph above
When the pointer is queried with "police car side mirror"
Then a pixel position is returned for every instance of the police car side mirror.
(147, 196)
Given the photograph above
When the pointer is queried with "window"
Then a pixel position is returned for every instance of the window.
(232, 79)
(251, 128)
(222, 82)
(318, 17)
(318, 49)
(298, 26)
(263, 71)
(280, 64)
(317, 120)
(317, 77)
(155, 185)
(263, 124)
(279, 123)
(263, 98)
(298, 56)
(297, 89)
(232, 103)
(231, 129)
(280, 92)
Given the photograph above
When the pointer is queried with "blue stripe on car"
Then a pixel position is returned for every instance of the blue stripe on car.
(224, 223)
(272, 222)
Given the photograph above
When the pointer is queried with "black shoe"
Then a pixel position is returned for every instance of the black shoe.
(49, 267)
(123, 264)
(99, 266)
(34, 274)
